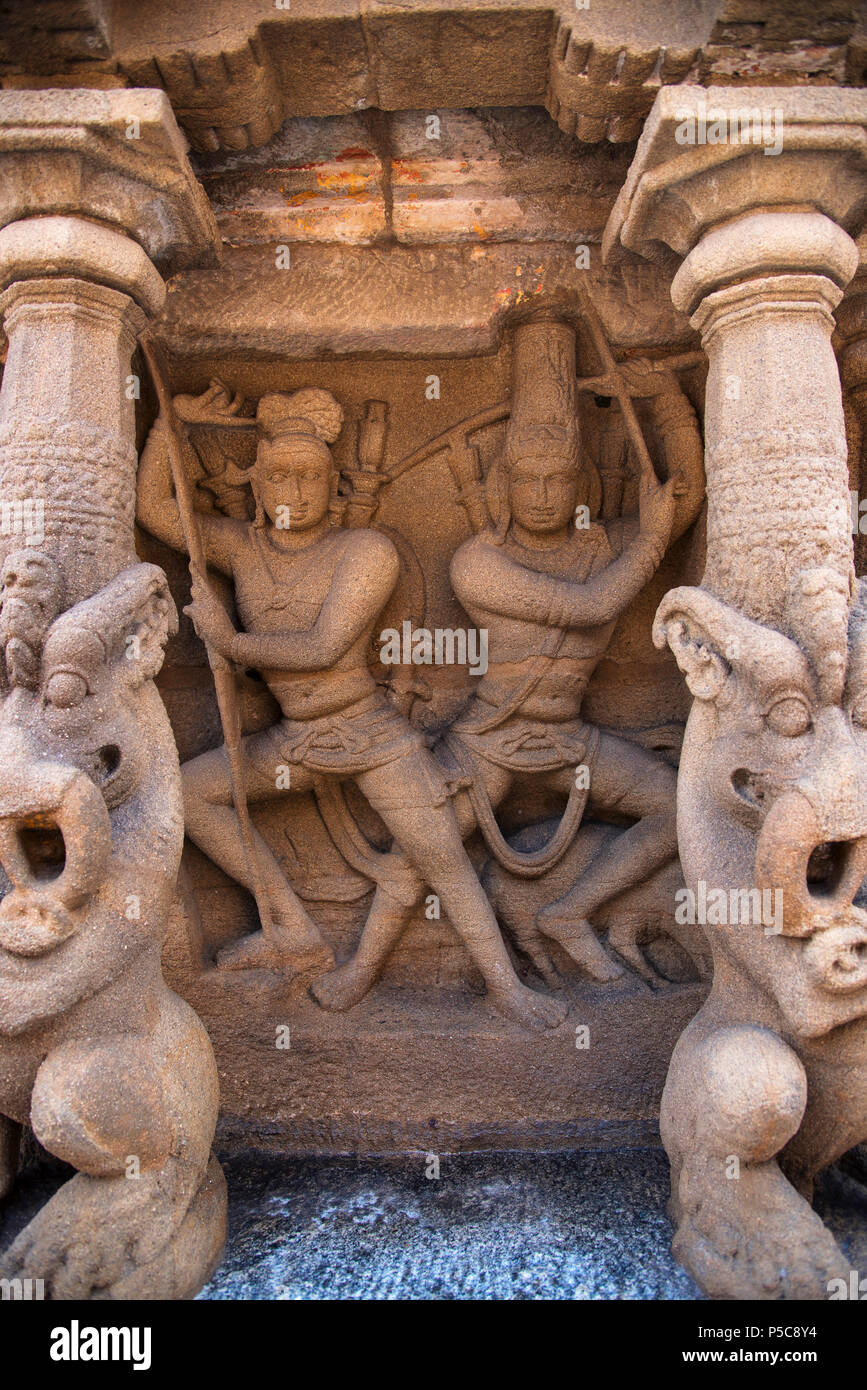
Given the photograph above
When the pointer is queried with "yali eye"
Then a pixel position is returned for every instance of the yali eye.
(789, 717)
(66, 689)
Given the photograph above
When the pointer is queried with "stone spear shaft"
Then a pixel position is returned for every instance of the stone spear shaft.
(609, 366)
(224, 676)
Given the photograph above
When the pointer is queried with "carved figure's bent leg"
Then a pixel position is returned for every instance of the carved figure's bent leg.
(410, 796)
(386, 922)
(430, 837)
(734, 1098)
(212, 824)
(389, 917)
(628, 780)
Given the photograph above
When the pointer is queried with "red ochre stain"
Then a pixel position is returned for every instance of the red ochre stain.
(406, 170)
(352, 152)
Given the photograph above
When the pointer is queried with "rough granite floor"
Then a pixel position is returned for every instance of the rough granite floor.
(492, 1226)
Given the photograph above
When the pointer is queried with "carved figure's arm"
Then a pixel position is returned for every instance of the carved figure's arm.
(157, 509)
(485, 577)
(361, 587)
(677, 427)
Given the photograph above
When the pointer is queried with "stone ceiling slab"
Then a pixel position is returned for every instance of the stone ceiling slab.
(234, 70)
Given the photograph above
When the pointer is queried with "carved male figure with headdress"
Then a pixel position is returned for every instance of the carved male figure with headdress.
(549, 592)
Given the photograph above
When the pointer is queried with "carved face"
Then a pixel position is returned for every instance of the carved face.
(773, 792)
(543, 492)
(76, 745)
(293, 481)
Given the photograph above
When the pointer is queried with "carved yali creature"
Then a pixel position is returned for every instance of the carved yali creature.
(548, 582)
(309, 594)
(112, 1070)
(770, 1073)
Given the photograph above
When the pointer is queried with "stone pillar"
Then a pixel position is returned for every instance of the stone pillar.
(97, 204)
(107, 197)
(752, 198)
(67, 425)
(775, 440)
(851, 340)
(760, 282)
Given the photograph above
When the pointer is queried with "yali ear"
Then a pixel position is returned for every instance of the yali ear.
(699, 630)
(712, 641)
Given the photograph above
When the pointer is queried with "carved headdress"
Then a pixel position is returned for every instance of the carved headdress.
(311, 414)
(544, 412)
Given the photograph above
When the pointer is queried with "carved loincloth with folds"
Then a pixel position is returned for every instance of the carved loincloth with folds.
(522, 745)
(528, 745)
(366, 735)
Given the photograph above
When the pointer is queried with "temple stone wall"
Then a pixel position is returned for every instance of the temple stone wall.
(340, 334)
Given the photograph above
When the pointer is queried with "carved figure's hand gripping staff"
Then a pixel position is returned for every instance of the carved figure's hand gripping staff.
(224, 677)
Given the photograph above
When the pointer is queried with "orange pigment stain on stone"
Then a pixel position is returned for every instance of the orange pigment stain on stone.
(408, 170)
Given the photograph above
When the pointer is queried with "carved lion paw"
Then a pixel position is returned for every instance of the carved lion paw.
(754, 1237)
(92, 1233)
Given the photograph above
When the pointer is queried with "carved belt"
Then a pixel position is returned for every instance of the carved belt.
(365, 736)
(537, 862)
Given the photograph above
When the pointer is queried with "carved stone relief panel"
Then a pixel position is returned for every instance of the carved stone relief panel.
(432, 651)
(469, 553)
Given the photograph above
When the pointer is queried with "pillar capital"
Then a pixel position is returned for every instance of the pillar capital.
(70, 247)
(115, 158)
(710, 157)
(760, 245)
